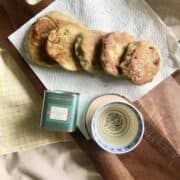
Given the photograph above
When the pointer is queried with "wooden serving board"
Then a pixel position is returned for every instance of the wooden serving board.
(158, 156)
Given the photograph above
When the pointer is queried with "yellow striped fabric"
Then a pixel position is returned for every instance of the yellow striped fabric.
(20, 108)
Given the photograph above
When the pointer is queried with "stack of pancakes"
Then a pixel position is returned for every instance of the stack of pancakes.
(58, 40)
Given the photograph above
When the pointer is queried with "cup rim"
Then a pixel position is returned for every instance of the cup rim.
(116, 149)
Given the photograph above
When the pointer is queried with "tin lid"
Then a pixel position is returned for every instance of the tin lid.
(59, 110)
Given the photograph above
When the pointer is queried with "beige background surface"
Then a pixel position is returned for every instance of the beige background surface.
(65, 160)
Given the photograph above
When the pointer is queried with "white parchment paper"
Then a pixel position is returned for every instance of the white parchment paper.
(134, 16)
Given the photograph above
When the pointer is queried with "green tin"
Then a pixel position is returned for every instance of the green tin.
(59, 110)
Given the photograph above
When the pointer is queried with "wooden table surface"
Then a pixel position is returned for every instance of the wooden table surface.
(157, 157)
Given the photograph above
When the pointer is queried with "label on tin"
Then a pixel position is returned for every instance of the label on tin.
(59, 113)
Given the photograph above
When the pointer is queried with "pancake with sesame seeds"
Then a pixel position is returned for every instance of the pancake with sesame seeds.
(113, 48)
(36, 38)
(141, 62)
(60, 46)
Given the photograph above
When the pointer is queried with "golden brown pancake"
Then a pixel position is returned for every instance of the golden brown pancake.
(113, 48)
(141, 62)
(35, 40)
(60, 46)
(88, 50)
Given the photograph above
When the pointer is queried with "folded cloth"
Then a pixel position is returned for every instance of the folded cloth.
(64, 161)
